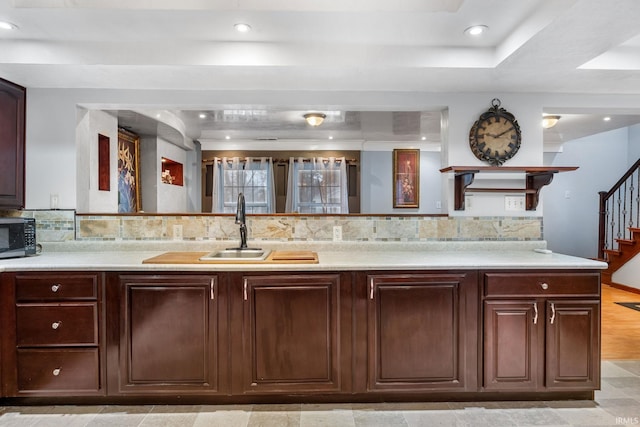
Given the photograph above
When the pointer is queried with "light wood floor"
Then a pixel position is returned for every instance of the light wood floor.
(620, 325)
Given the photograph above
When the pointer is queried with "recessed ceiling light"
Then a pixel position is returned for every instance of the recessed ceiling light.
(424, 138)
(202, 116)
(476, 30)
(606, 119)
(227, 137)
(330, 137)
(242, 28)
(8, 26)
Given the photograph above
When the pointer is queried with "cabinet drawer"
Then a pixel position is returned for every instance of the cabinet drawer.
(541, 284)
(56, 287)
(57, 324)
(58, 370)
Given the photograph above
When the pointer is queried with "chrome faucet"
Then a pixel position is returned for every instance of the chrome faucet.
(241, 218)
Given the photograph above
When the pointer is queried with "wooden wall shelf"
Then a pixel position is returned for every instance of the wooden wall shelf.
(536, 178)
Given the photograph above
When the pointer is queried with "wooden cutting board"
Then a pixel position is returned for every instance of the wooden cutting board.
(275, 257)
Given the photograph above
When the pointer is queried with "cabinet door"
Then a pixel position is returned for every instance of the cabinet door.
(12, 125)
(573, 345)
(422, 332)
(168, 334)
(513, 331)
(291, 340)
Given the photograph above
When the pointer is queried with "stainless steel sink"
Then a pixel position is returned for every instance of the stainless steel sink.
(248, 254)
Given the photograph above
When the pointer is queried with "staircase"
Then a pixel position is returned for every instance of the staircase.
(619, 228)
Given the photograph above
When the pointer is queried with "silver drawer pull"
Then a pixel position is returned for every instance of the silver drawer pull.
(553, 313)
(56, 287)
(56, 372)
(535, 310)
(544, 286)
(56, 325)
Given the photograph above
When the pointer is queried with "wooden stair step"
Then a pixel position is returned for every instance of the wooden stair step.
(612, 252)
(626, 241)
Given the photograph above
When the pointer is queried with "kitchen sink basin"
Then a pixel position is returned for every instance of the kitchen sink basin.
(248, 254)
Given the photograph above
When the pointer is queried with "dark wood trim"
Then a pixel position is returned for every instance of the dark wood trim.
(536, 178)
(622, 287)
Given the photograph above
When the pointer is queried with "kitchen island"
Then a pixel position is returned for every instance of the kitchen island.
(385, 322)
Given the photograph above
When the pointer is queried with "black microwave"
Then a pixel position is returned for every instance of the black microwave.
(17, 237)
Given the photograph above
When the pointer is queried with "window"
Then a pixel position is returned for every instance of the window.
(317, 186)
(251, 176)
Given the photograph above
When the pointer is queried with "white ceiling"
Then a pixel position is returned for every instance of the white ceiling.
(532, 46)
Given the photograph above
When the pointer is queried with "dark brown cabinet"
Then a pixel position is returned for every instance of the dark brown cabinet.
(422, 331)
(291, 333)
(56, 343)
(277, 336)
(12, 145)
(168, 335)
(541, 331)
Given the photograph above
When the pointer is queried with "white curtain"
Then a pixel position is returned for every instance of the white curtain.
(232, 176)
(317, 185)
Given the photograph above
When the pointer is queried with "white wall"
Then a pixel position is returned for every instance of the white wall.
(634, 144)
(171, 198)
(51, 124)
(376, 176)
(156, 195)
(572, 200)
(90, 124)
(149, 173)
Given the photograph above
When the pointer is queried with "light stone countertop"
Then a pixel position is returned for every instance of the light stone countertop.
(339, 256)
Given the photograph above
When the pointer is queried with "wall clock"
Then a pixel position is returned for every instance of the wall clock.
(495, 137)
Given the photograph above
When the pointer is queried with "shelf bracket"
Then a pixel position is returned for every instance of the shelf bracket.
(535, 182)
(462, 181)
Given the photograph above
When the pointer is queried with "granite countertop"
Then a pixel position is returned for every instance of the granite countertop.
(128, 256)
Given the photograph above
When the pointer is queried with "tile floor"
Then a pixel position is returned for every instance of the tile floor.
(617, 404)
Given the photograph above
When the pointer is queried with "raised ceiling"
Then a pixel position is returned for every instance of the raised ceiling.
(532, 46)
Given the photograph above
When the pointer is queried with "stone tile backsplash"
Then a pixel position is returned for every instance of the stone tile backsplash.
(63, 225)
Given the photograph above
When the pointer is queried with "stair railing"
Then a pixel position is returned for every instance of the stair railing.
(619, 210)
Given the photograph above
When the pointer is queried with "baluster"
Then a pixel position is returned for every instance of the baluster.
(638, 198)
(618, 221)
(611, 215)
(630, 224)
(623, 223)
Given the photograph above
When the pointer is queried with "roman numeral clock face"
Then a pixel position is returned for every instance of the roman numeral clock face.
(495, 137)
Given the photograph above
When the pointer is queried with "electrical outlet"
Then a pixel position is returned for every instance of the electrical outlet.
(513, 203)
(467, 202)
(438, 204)
(177, 232)
(337, 233)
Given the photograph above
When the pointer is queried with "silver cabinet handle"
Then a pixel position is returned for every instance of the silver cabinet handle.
(544, 286)
(56, 325)
(371, 288)
(56, 287)
(535, 310)
(56, 372)
(211, 291)
(246, 297)
(553, 312)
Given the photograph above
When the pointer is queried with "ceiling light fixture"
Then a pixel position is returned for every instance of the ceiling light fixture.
(202, 115)
(8, 26)
(549, 121)
(606, 119)
(314, 119)
(242, 28)
(476, 30)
